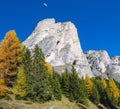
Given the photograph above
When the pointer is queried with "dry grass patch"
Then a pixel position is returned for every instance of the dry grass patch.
(20, 104)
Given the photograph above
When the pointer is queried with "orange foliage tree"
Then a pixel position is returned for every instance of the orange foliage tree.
(3, 87)
(9, 57)
(49, 69)
(103, 82)
(113, 90)
(89, 84)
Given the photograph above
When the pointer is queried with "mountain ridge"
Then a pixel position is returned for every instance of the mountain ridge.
(61, 45)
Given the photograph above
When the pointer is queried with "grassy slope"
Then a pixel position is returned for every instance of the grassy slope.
(19, 104)
(63, 104)
(91, 105)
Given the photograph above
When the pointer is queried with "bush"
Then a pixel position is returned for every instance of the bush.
(18, 97)
(7, 97)
(28, 102)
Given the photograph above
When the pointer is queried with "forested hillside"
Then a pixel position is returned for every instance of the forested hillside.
(28, 77)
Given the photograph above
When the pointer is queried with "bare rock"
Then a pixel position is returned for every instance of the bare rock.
(60, 44)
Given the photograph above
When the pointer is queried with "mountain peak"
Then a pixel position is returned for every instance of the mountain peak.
(62, 49)
(60, 44)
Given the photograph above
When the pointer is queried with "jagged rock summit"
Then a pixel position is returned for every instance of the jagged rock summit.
(62, 49)
(98, 59)
(60, 44)
(102, 65)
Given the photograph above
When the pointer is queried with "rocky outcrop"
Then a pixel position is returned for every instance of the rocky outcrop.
(98, 59)
(60, 44)
(115, 60)
(114, 72)
(62, 49)
(102, 66)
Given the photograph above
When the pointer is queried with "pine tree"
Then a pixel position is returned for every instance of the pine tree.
(74, 84)
(26, 60)
(10, 57)
(102, 89)
(65, 83)
(89, 85)
(73, 87)
(83, 95)
(77, 89)
(57, 93)
(58, 76)
(20, 89)
(38, 60)
(39, 86)
(95, 97)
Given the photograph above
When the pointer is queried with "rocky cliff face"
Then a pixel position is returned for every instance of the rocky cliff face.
(60, 44)
(98, 59)
(114, 68)
(115, 60)
(62, 49)
(102, 65)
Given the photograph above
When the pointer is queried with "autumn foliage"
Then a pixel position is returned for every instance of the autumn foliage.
(26, 75)
(3, 87)
(20, 87)
(49, 69)
(89, 84)
(103, 82)
(9, 57)
(114, 91)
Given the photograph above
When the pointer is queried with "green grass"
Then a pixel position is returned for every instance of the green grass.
(63, 104)
(20, 104)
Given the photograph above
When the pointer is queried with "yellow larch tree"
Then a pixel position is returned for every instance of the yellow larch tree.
(49, 69)
(89, 84)
(10, 57)
(20, 89)
(3, 87)
(113, 89)
(103, 82)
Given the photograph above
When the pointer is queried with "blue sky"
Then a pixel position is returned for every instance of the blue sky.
(97, 21)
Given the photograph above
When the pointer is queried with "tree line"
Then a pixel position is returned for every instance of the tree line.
(29, 77)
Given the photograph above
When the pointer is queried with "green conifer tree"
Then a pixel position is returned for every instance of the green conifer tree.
(77, 87)
(38, 60)
(26, 60)
(95, 97)
(65, 83)
(40, 88)
(74, 84)
(83, 95)
(57, 93)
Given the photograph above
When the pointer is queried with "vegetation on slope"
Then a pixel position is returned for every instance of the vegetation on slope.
(28, 77)
(22, 104)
